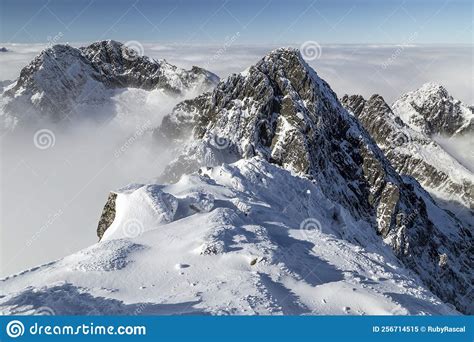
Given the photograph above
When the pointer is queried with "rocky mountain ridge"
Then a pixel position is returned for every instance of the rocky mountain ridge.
(66, 82)
(280, 110)
(432, 110)
(412, 152)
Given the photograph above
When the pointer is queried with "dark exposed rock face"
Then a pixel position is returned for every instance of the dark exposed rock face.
(49, 84)
(280, 110)
(62, 79)
(432, 110)
(107, 216)
(120, 67)
(400, 143)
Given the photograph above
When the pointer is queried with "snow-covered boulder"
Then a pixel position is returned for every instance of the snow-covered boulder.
(134, 210)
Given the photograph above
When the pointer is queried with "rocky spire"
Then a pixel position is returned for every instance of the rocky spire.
(281, 111)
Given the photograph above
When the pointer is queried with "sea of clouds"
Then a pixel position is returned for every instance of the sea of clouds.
(389, 70)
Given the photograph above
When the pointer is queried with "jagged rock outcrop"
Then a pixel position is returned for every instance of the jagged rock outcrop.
(119, 67)
(108, 215)
(431, 110)
(62, 80)
(413, 153)
(281, 111)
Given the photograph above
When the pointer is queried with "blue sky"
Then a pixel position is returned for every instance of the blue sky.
(257, 21)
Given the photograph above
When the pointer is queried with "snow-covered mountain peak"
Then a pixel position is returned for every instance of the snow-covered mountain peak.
(357, 103)
(279, 110)
(53, 62)
(63, 81)
(254, 111)
(124, 66)
(283, 56)
(432, 110)
(432, 90)
(235, 245)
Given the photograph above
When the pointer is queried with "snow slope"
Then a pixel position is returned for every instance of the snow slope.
(246, 238)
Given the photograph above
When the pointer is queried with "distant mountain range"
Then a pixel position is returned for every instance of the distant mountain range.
(67, 82)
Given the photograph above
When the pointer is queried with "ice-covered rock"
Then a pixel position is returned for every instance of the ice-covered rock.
(201, 201)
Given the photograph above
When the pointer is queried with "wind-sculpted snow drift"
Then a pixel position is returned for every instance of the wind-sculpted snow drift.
(278, 202)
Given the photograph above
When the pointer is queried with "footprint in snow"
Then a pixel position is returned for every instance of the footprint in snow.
(181, 266)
